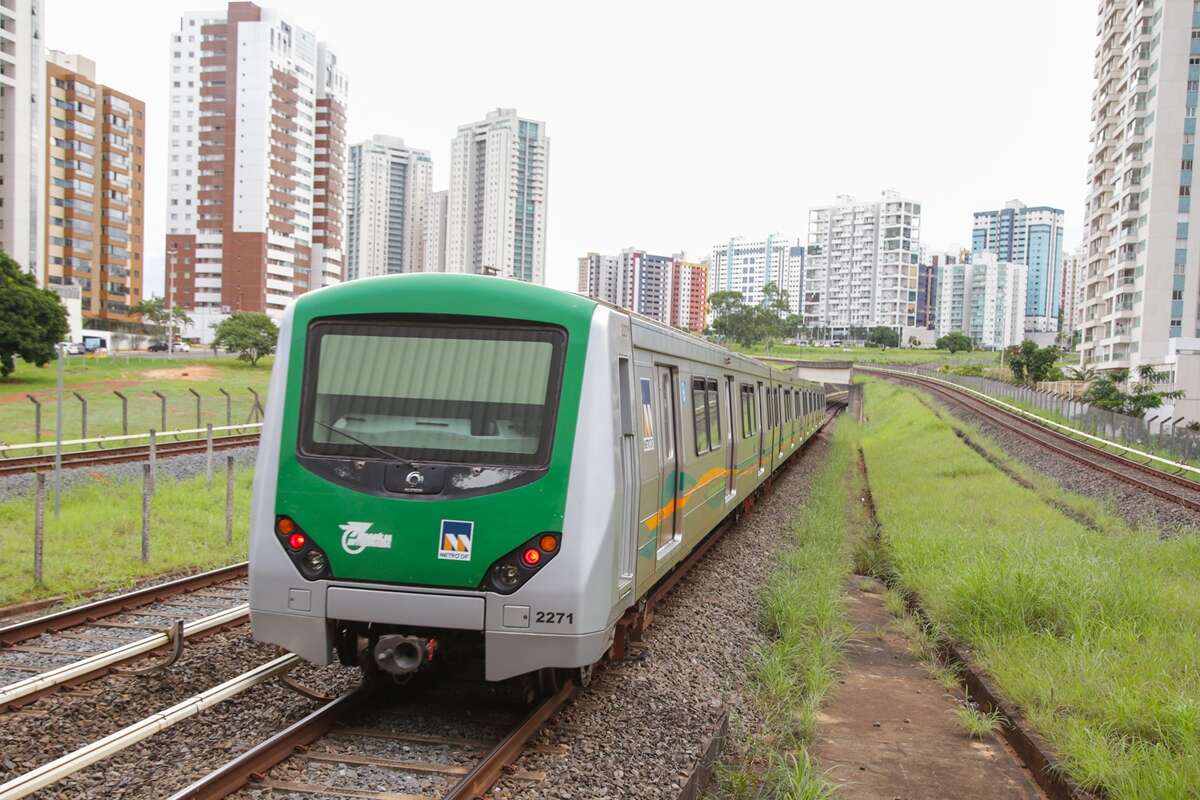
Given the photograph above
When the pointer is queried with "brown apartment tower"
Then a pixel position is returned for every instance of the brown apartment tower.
(257, 150)
(95, 160)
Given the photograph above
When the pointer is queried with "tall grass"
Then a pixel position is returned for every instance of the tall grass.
(96, 542)
(804, 612)
(1094, 634)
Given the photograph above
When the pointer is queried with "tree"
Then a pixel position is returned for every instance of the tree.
(913, 341)
(167, 320)
(1032, 364)
(724, 306)
(250, 334)
(883, 336)
(1084, 374)
(955, 342)
(1105, 391)
(32, 321)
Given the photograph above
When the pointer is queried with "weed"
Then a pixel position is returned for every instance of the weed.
(976, 723)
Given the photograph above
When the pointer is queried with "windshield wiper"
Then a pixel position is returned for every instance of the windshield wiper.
(379, 450)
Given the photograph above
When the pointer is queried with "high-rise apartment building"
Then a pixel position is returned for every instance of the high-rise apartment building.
(94, 167)
(496, 215)
(387, 202)
(862, 264)
(1074, 265)
(669, 289)
(255, 193)
(435, 231)
(1033, 236)
(22, 133)
(1141, 285)
(929, 268)
(689, 294)
(746, 266)
(984, 299)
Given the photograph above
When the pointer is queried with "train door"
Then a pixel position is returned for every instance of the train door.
(668, 460)
(627, 564)
(731, 450)
(761, 399)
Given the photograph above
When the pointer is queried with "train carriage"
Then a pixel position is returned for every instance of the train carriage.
(461, 470)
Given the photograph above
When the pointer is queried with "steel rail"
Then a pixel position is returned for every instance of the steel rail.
(121, 455)
(476, 782)
(1048, 439)
(60, 768)
(18, 632)
(5, 449)
(25, 691)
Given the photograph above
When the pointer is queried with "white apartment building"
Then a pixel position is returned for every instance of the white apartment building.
(255, 193)
(496, 214)
(862, 264)
(387, 204)
(22, 132)
(435, 231)
(984, 299)
(604, 277)
(1142, 279)
(1074, 264)
(746, 266)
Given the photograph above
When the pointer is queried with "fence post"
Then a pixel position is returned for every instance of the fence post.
(163, 403)
(147, 490)
(228, 407)
(256, 413)
(229, 500)
(83, 419)
(208, 454)
(37, 420)
(196, 395)
(124, 413)
(152, 466)
(39, 525)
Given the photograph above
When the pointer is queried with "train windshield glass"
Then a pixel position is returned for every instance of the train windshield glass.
(456, 393)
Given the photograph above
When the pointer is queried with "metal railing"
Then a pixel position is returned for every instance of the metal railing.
(1158, 432)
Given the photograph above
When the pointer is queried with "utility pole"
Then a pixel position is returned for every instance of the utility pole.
(58, 433)
(171, 255)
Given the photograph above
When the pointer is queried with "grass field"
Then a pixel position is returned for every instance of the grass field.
(96, 378)
(96, 542)
(875, 355)
(1092, 633)
(804, 611)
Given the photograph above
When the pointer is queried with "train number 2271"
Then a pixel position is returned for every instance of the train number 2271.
(555, 617)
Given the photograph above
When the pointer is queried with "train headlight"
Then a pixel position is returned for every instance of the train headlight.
(307, 555)
(510, 572)
(314, 564)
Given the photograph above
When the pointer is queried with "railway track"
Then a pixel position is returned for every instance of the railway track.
(119, 455)
(1172, 488)
(76, 645)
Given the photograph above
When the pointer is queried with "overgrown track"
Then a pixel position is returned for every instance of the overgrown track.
(120, 455)
(1173, 488)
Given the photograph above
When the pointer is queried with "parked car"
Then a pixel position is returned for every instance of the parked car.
(182, 347)
(158, 347)
(74, 349)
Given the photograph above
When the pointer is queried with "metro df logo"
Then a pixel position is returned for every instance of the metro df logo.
(455, 540)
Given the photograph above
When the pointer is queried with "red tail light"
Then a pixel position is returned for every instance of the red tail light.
(531, 557)
(297, 541)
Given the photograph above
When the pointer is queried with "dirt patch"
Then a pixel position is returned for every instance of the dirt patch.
(199, 372)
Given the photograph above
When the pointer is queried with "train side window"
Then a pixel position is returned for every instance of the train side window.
(700, 415)
(787, 405)
(749, 411)
(714, 416)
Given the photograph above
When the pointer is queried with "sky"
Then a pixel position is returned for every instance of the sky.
(677, 125)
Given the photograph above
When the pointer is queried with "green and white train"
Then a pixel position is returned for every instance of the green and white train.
(469, 473)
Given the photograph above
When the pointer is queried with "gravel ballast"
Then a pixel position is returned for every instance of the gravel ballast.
(637, 730)
(176, 467)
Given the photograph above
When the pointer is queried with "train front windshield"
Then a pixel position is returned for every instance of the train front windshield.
(452, 392)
